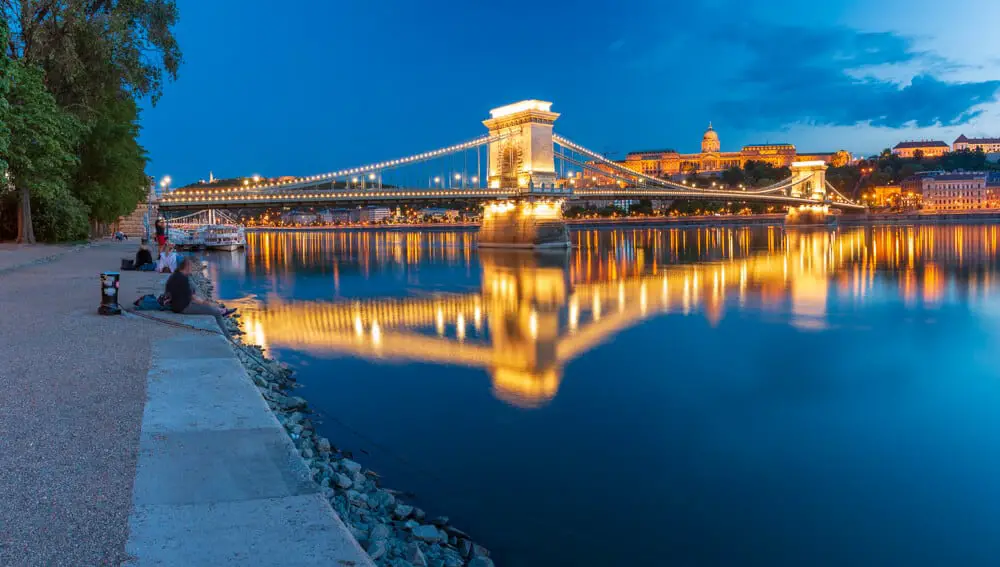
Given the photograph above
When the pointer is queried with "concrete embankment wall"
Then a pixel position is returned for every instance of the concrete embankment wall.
(218, 481)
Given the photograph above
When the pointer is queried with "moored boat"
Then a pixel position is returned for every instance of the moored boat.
(223, 237)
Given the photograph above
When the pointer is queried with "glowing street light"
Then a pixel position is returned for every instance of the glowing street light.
(256, 178)
(371, 176)
(437, 180)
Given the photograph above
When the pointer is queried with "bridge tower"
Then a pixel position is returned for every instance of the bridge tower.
(523, 158)
(809, 180)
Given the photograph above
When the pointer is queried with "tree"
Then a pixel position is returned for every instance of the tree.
(5, 73)
(97, 57)
(41, 154)
(111, 178)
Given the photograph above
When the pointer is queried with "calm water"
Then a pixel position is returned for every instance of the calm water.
(702, 397)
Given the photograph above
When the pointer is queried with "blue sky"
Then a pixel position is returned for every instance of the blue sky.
(316, 86)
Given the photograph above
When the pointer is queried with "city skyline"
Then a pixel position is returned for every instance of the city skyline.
(289, 94)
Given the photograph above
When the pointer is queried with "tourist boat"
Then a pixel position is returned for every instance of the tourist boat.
(223, 237)
(185, 237)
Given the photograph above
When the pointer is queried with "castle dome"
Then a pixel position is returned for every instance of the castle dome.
(710, 141)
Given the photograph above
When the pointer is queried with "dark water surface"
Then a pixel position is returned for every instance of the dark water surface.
(676, 397)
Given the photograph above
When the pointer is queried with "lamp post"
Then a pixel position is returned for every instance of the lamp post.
(458, 177)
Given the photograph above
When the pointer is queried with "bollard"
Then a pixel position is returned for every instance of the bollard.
(109, 294)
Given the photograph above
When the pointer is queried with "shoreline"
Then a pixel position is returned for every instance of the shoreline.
(391, 532)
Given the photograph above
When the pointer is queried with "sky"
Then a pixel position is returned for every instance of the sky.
(312, 87)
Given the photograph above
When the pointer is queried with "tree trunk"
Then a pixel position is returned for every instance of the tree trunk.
(25, 231)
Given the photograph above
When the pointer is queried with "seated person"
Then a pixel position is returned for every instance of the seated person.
(181, 296)
(143, 256)
(168, 260)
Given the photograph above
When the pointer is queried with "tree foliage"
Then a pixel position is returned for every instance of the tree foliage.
(5, 75)
(94, 59)
(41, 156)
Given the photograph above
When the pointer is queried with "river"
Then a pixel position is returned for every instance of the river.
(678, 396)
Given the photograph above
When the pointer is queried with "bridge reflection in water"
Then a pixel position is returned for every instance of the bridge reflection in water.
(533, 313)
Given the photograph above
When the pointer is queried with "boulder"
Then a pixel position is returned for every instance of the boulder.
(402, 511)
(379, 532)
(323, 444)
(428, 533)
(342, 481)
(350, 466)
(377, 549)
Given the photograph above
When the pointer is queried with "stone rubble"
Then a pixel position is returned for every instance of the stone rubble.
(393, 533)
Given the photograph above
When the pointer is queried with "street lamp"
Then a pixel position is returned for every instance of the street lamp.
(256, 178)
(165, 183)
(475, 180)
(458, 178)
(437, 180)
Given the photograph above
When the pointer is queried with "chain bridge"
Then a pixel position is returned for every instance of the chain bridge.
(522, 173)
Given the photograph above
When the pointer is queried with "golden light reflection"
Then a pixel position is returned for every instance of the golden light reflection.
(534, 313)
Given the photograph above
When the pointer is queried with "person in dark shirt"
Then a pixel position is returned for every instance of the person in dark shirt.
(143, 256)
(180, 293)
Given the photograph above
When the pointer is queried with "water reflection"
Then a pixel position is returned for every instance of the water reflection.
(522, 316)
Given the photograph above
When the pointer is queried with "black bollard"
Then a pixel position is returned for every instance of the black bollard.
(109, 294)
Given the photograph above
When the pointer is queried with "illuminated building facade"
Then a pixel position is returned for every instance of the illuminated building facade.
(986, 145)
(926, 148)
(664, 163)
(961, 192)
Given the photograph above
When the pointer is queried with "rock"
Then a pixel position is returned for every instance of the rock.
(359, 479)
(419, 514)
(428, 533)
(377, 549)
(380, 531)
(307, 453)
(479, 551)
(464, 547)
(415, 556)
(323, 444)
(350, 466)
(402, 511)
(359, 535)
(342, 481)
(380, 499)
(357, 499)
(452, 559)
(411, 524)
(440, 521)
(297, 417)
(453, 531)
(480, 562)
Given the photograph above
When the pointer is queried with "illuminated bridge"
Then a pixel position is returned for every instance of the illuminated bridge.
(521, 171)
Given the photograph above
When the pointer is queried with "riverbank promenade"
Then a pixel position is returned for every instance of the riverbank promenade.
(128, 441)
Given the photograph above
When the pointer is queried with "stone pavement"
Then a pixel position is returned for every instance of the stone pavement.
(216, 484)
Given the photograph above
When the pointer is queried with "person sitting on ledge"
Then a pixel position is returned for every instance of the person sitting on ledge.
(143, 257)
(181, 297)
(168, 260)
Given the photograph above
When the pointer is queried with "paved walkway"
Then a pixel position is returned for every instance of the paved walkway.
(217, 482)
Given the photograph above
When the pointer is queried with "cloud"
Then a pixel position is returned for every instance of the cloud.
(840, 77)
(616, 45)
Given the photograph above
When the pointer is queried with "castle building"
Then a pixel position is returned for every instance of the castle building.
(987, 145)
(927, 149)
(711, 159)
